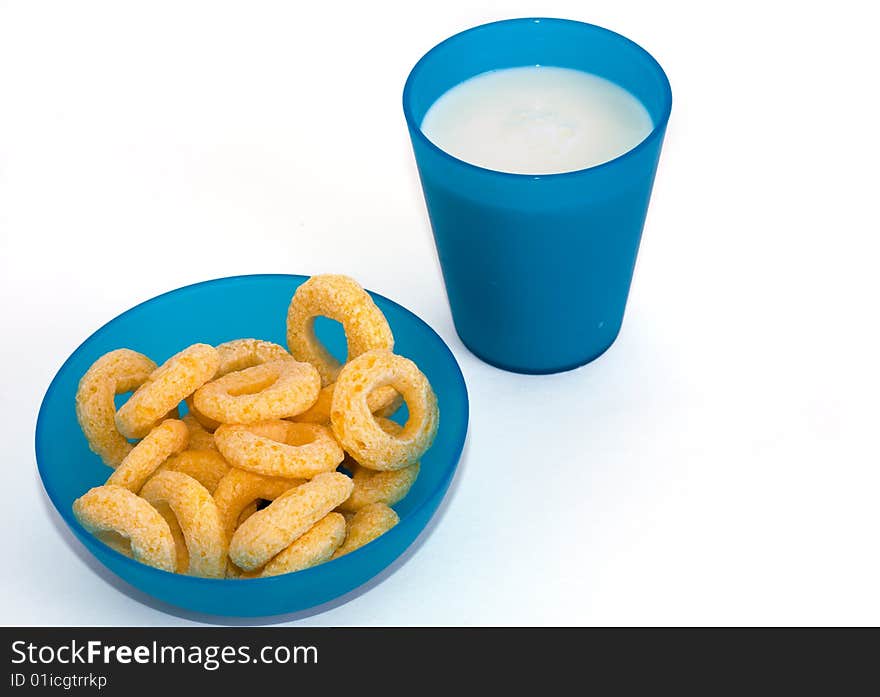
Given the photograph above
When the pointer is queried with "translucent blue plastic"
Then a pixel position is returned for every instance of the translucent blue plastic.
(213, 312)
(537, 268)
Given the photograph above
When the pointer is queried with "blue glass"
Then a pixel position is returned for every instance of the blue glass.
(213, 312)
(537, 268)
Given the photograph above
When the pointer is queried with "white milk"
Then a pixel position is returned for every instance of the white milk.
(536, 120)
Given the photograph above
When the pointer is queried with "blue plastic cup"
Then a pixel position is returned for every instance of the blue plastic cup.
(537, 267)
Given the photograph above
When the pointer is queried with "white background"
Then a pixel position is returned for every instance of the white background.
(719, 465)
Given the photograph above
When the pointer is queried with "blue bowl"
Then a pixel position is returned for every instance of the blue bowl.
(213, 312)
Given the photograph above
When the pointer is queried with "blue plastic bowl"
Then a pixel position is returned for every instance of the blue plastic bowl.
(213, 312)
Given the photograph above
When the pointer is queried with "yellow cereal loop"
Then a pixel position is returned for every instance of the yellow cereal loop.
(113, 373)
(198, 517)
(199, 437)
(371, 486)
(207, 467)
(353, 423)
(382, 402)
(168, 438)
(286, 519)
(319, 412)
(280, 448)
(367, 524)
(116, 541)
(246, 353)
(115, 509)
(207, 424)
(239, 490)
(272, 390)
(246, 513)
(232, 571)
(340, 298)
(167, 386)
(315, 547)
(181, 553)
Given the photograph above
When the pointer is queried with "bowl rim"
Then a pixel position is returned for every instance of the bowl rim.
(458, 431)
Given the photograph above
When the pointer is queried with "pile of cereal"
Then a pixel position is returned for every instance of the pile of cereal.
(193, 495)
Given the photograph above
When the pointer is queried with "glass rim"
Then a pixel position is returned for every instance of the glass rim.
(658, 125)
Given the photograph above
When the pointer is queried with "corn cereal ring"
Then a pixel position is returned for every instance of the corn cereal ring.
(367, 524)
(246, 353)
(167, 386)
(356, 429)
(181, 554)
(113, 508)
(280, 448)
(272, 390)
(207, 424)
(232, 571)
(207, 467)
(167, 439)
(315, 547)
(239, 490)
(234, 356)
(116, 541)
(247, 512)
(200, 438)
(382, 402)
(387, 487)
(371, 486)
(113, 373)
(198, 517)
(342, 299)
(286, 519)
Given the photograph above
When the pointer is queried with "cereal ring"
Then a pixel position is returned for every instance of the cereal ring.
(246, 353)
(232, 571)
(207, 424)
(371, 486)
(367, 524)
(199, 437)
(181, 552)
(198, 517)
(356, 429)
(113, 373)
(340, 298)
(280, 448)
(382, 402)
(247, 512)
(167, 386)
(167, 439)
(272, 390)
(319, 412)
(240, 489)
(113, 508)
(207, 467)
(379, 487)
(388, 487)
(287, 518)
(315, 547)
(118, 542)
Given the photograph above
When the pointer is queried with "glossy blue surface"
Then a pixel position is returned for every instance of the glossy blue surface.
(213, 312)
(537, 268)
